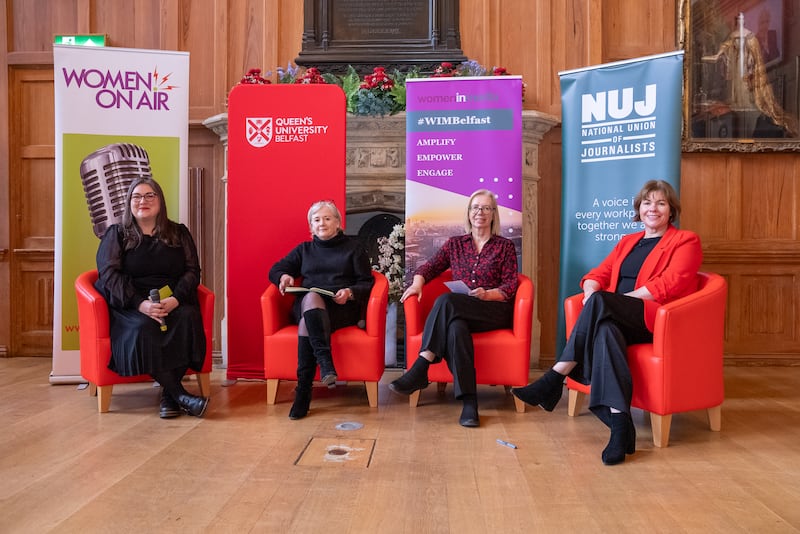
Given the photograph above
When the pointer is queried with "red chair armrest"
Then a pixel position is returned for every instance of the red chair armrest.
(523, 307)
(572, 308)
(376, 306)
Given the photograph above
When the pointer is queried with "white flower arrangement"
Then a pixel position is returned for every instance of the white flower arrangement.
(391, 259)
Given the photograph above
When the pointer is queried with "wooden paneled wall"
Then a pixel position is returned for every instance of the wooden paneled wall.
(744, 206)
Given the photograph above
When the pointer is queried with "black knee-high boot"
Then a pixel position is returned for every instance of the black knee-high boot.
(170, 380)
(306, 366)
(319, 335)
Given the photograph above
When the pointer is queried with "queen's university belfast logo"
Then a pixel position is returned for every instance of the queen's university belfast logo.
(259, 131)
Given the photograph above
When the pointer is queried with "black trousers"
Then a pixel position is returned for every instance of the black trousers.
(448, 328)
(608, 323)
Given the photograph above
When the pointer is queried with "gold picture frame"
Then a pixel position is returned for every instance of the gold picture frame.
(740, 84)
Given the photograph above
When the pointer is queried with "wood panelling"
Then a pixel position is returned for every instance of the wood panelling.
(744, 206)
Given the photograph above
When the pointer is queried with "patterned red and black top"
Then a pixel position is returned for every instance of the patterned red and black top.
(494, 267)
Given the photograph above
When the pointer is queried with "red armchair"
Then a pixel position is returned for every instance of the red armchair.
(357, 353)
(95, 342)
(501, 356)
(682, 369)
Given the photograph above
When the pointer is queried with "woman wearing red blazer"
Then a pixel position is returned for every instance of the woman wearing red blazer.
(621, 295)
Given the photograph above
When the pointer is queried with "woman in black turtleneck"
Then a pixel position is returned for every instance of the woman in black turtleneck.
(331, 261)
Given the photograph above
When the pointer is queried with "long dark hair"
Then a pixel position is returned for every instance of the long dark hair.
(165, 230)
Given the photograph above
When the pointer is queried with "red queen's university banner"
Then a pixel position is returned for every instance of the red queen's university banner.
(286, 150)
(120, 114)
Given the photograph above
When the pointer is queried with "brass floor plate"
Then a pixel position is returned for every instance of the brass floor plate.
(348, 452)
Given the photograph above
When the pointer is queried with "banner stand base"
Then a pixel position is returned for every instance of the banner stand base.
(66, 379)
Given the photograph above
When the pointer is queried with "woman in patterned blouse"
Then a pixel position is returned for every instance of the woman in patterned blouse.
(487, 264)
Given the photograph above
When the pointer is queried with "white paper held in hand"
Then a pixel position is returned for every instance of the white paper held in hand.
(457, 286)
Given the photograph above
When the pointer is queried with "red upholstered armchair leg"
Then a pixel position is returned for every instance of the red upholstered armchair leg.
(104, 398)
(660, 425)
(575, 402)
(272, 390)
(372, 393)
(715, 418)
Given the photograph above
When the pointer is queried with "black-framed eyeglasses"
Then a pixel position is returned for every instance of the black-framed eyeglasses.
(484, 209)
(147, 197)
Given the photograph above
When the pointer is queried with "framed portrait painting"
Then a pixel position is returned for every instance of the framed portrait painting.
(741, 70)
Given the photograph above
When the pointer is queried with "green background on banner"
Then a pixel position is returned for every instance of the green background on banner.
(79, 242)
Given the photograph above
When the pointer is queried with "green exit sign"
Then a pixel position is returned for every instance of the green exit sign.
(81, 40)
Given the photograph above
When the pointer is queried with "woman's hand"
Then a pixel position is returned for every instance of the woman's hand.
(414, 289)
(487, 294)
(285, 281)
(155, 310)
(343, 295)
(589, 287)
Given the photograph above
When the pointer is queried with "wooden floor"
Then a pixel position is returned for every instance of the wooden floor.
(66, 468)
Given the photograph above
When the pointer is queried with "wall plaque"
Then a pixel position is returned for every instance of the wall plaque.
(390, 33)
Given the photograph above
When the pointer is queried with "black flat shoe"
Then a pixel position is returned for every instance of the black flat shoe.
(168, 408)
(192, 404)
(622, 440)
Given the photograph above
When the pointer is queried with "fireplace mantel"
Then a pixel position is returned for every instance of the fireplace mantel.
(376, 158)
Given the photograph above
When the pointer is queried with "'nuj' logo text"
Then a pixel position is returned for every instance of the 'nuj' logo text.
(614, 125)
(123, 89)
(606, 105)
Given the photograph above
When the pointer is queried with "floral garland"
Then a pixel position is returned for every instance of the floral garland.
(391, 258)
(379, 93)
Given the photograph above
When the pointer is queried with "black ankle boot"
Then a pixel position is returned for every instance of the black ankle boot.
(469, 413)
(192, 404)
(306, 366)
(544, 392)
(413, 379)
(622, 440)
(318, 326)
(168, 408)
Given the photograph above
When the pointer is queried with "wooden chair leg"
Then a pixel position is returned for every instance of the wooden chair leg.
(575, 402)
(715, 418)
(413, 399)
(204, 383)
(372, 393)
(441, 387)
(272, 390)
(660, 425)
(519, 405)
(104, 398)
(92, 389)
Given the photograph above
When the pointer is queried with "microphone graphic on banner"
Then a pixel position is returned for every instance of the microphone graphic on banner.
(106, 175)
(155, 296)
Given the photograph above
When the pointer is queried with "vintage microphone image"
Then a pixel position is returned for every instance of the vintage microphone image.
(106, 175)
(156, 297)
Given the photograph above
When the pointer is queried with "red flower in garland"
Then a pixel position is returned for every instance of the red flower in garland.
(445, 70)
(312, 75)
(499, 71)
(253, 76)
(377, 80)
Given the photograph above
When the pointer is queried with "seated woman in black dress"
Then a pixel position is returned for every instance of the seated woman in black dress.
(331, 261)
(162, 339)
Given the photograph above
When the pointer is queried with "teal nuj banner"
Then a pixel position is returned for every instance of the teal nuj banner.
(621, 126)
